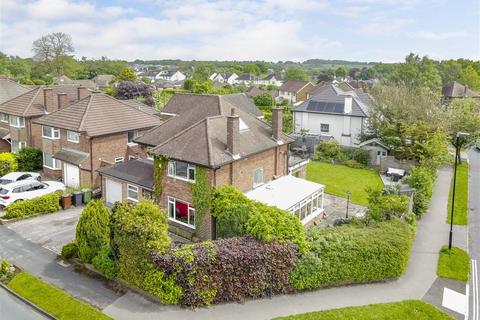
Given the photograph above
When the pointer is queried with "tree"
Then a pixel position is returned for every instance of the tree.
(264, 99)
(326, 75)
(449, 70)
(51, 48)
(127, 74)
(133, 89)
(201, 73)
(93, 230)
(418, 72)
(251, 69)
(469, 77)
(296, 73)
(29, 159)
(341, 72)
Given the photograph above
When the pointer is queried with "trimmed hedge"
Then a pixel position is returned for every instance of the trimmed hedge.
(353, 254)
(69, 251)
(227, 270)
(44, 204)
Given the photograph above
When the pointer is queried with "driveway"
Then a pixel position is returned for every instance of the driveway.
(51, 231)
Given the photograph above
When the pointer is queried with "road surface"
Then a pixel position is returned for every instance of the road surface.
(13, 308)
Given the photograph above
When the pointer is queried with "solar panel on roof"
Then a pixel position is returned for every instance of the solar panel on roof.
(323, 106)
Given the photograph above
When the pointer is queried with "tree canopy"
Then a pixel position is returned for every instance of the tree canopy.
(296, 73)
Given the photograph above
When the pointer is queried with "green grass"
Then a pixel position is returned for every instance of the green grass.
(405, 310)
(339, 179)
(453, 264)
(53, 300)
(460, 215)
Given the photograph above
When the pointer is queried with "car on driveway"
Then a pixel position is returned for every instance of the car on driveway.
(27, 189)
(19, 176)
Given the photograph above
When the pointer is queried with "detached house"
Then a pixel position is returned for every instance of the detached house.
(171, 76)
(294, 91)
(247, 79)
(17, 114)
(98, 130)
(334, 113)
(224, 77)
(221, 137)
(271, 79)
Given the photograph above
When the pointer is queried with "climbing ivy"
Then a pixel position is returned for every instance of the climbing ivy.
(159, 165)
(201, 195)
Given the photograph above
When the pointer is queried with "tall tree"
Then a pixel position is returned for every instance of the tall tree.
(418, 72)
(469, 77)
(127, 74)
(296, 73)
(201, 73)
(341, 72)
(51, 48)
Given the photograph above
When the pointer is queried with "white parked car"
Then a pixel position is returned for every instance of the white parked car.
(27, 189)
(19, 176)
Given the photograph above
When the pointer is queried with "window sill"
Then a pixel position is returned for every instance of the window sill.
(72, 141)
(133, 200)
(182, 179)
(17, 126)
(182, 223)
(48, 138)
(56, 169)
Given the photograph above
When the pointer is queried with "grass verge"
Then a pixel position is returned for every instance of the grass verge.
(410, 309)
(338, 179)
(53, 300)
(460, 216)
(453, 264)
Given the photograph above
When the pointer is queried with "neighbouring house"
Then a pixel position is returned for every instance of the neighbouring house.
(220, 137)
(17, 114)
(377, 150)
(102, 81)
(224, 77)
(457, 90)
(364, 85)
(149, 75)
(247, 80)
(294, 91)
(271, 79)
(334, 112)
(171, 75)
(64, 80)
(97, 130)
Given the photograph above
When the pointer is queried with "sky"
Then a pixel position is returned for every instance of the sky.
(268, 30)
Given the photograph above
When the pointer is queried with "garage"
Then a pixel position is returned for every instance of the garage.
(71, 175)
(113, 190)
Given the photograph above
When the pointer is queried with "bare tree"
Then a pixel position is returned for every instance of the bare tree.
(52, 49)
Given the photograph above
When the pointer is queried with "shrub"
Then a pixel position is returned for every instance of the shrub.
(105, 263)
(264, 99)
(385, 206)
(328, 150)
(93, 230)
(226, 270)
(361, 156)
(353, 164)
(332, 151)
(8, 163)
(69, 251)
(6, 270)
(421, 178)
(353, 254)
(29, 159)
(163, 287)
(137, 232)
(268, 223)
(44, 204)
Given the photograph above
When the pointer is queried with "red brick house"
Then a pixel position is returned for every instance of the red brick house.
(95, 131)
(222, 136)
(294, 91)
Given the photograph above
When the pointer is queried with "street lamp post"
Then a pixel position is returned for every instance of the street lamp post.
(348, 202)
(457, 152)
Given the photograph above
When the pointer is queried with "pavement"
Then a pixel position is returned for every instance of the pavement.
(13, 308)
(474, 226)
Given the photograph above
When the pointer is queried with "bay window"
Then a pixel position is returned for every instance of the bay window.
(18, 122)
(181, 212)
(50, 133)
(181, 170)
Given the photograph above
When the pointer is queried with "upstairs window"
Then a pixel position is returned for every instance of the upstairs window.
(4, 117)
(73, 136)
(181, 170)
(324, 128)
(131, 136)
(50, 133)
(18, 122)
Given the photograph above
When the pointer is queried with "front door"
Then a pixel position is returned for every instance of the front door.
(71, 175)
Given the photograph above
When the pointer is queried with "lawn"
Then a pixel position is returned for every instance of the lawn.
(339, 179)
(410, 309)
(53, 300)
(453, 264)
(460, 215)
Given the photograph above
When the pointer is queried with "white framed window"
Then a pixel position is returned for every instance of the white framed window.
(73, 136)
(181, 170)
(257, 177)
(51, 163)
(324, 128)
(181, 212)
(132, 193)
(50, 133)
(4, 117)
(119, 160)
(132, 135)
(18, 145)
(308, 208)
(18, 122)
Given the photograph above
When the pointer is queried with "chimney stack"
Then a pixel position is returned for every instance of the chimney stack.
(233, 133)
(48, 100)
(277, 123)
(348, 104)
(81, 92)
(62, 100)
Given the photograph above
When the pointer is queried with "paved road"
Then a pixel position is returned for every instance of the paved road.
(12, 308)
(474, 228)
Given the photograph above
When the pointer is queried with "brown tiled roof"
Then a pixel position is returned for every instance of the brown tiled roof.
(200, 135)
(99, 114)
(293, 85)
(458, 90)
(10, 89)
(141, 106)
(31, 103)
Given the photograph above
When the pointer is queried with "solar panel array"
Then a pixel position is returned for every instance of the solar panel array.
(323, 106)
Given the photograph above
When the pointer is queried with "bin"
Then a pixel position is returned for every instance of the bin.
(77, 198)
(87, 195)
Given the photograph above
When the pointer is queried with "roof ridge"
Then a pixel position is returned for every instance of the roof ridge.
(130, 106)
(87, 108)
(31, 102)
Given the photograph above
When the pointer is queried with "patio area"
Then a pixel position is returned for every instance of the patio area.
(336, 208)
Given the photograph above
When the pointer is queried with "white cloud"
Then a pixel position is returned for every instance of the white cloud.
(430, 35)
(384, 27)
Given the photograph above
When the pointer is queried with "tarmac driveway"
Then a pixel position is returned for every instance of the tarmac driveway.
(51, 231)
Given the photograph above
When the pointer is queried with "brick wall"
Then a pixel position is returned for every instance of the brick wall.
(302, 94)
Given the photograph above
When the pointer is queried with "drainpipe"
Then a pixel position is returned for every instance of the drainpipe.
(91, 162)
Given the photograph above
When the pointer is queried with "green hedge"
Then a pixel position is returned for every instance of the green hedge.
(44, 204)
(332, 151)
(421, 178)
(354, 254)
(29, 159)
(8, 163)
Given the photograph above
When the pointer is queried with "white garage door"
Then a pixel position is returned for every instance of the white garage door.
(113, 191)
(71, 175)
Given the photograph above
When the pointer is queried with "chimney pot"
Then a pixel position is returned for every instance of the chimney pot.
(48, 100)
(62, 100)
(277, 123)
(233, 133)
(81, 92)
